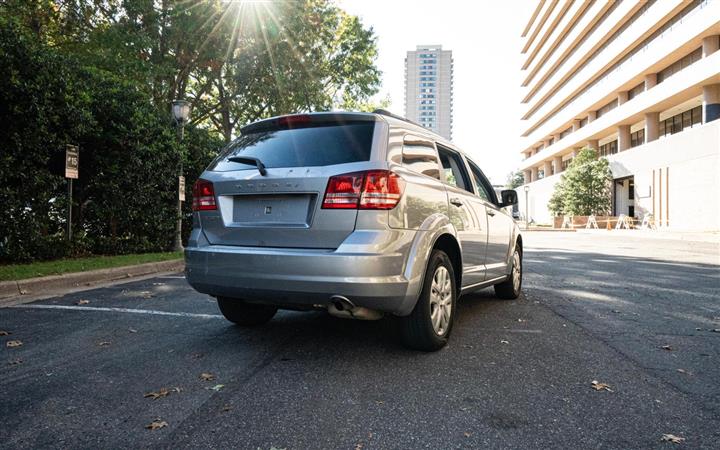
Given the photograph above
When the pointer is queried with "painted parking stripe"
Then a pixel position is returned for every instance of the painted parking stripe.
(121, 310)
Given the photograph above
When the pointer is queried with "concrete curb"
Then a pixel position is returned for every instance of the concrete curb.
(12, 292)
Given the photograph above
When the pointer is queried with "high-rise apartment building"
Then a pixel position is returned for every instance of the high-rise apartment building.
(639, 81)
(429, 88)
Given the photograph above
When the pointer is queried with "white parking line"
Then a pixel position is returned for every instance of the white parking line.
(121, 310)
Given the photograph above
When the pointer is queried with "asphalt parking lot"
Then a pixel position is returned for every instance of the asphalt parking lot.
(638, 314)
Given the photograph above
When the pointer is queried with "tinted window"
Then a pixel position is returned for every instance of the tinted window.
(321, 145)
(420, 156)
(454, 172)
(482, 188)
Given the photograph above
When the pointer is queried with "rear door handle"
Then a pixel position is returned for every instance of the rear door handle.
(490, 212)
(456, 201)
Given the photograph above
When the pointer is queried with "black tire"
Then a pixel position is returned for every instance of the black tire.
(245, 314)
(510, 288)
(417, 329)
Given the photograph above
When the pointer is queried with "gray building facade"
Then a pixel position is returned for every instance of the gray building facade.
(429, 88)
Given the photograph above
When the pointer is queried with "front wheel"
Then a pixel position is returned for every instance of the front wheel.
(245, 314)
(428, 327)
(510, 288)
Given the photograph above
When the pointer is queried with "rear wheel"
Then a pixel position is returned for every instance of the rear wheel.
(428, 327)
(510, 288)
(245, 314)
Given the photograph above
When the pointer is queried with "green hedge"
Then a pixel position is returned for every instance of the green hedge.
(125, 198)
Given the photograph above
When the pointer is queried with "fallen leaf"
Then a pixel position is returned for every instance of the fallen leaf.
(82, 302)
(132, 330)
(379, 402)
(205, 376)
(147, 294)
(504, 342)
(467, 434)
(15, 362)
(359, 446)
(226, 408)
(156, 424)
(216, 388)
(521, 320)
(163, 392)
(23, 292)
(666, 347)
(598, 386)
(672, 438)
(104, 343)
(716, 330)
(5, 333)
(12, 344)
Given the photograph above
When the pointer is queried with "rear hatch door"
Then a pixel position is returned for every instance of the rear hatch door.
(283, 208)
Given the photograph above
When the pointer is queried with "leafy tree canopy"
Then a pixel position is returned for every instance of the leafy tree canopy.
(584, 188)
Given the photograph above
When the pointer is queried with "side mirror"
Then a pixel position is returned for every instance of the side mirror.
(509, 198)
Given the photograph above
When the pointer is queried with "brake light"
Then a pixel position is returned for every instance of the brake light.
(289, 121)
(203, 196)
(373, 189)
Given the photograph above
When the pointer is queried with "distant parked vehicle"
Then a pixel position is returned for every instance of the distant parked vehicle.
(358, 214)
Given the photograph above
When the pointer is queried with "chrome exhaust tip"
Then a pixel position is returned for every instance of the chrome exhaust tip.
(342, 307)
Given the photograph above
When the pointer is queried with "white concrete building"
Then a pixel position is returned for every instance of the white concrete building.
(639, 82)
(429, 88)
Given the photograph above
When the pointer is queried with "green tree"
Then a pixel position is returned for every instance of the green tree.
(515, 180)
(584, 188)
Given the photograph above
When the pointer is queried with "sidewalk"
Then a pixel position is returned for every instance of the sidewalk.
(694, 236)
(31, 289)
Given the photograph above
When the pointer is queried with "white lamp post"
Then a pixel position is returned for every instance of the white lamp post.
(527, 217)
(181, 114)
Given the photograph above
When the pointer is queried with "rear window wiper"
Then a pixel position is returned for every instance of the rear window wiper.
(250, 160)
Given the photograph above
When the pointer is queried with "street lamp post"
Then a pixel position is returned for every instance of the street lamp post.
(181, 114)
(527, 216)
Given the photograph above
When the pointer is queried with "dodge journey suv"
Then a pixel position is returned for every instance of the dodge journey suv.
(359, 214)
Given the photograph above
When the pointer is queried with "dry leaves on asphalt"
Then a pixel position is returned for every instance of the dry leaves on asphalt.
(5, 333)
(206, 376)
(147, 294)
(11, 344)
(162, 392)
(226, 408)
(598, 386)
(672, 438)
(216, 388)
(504, 342)
(82, 302)
(666, 347)
(104, 343)
(156, 424)
(467, 434)
(15, 362)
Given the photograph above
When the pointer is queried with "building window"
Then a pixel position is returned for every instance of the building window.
(609, 149)
(565, 163)
(637, 138)
(631, 189)
(583, 121)
(607, 108)
(679, 122)
(565, 132)
(679, 65)
(634, 92)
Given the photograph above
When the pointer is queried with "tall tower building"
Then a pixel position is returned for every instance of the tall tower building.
(640, 83)
(429, 88)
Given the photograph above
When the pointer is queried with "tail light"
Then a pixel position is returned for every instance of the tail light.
(203, 196)
(373, 189)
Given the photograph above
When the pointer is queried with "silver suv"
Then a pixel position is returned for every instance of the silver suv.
(358, 214)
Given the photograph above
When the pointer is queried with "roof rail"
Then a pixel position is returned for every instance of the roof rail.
(385, 112)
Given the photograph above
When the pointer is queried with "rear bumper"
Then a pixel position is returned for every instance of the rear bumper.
(305, 277)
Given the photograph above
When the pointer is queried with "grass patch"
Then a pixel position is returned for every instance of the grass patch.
(61, 266)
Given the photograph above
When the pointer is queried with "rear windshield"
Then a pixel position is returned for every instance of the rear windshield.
(317, 145)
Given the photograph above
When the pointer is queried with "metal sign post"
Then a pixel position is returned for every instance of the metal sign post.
(72, 163)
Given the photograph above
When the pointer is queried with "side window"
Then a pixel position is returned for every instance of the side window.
(453, 169)
(482, 186)
(420, 156)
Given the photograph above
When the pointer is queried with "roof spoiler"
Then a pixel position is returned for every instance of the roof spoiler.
(385, 112)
